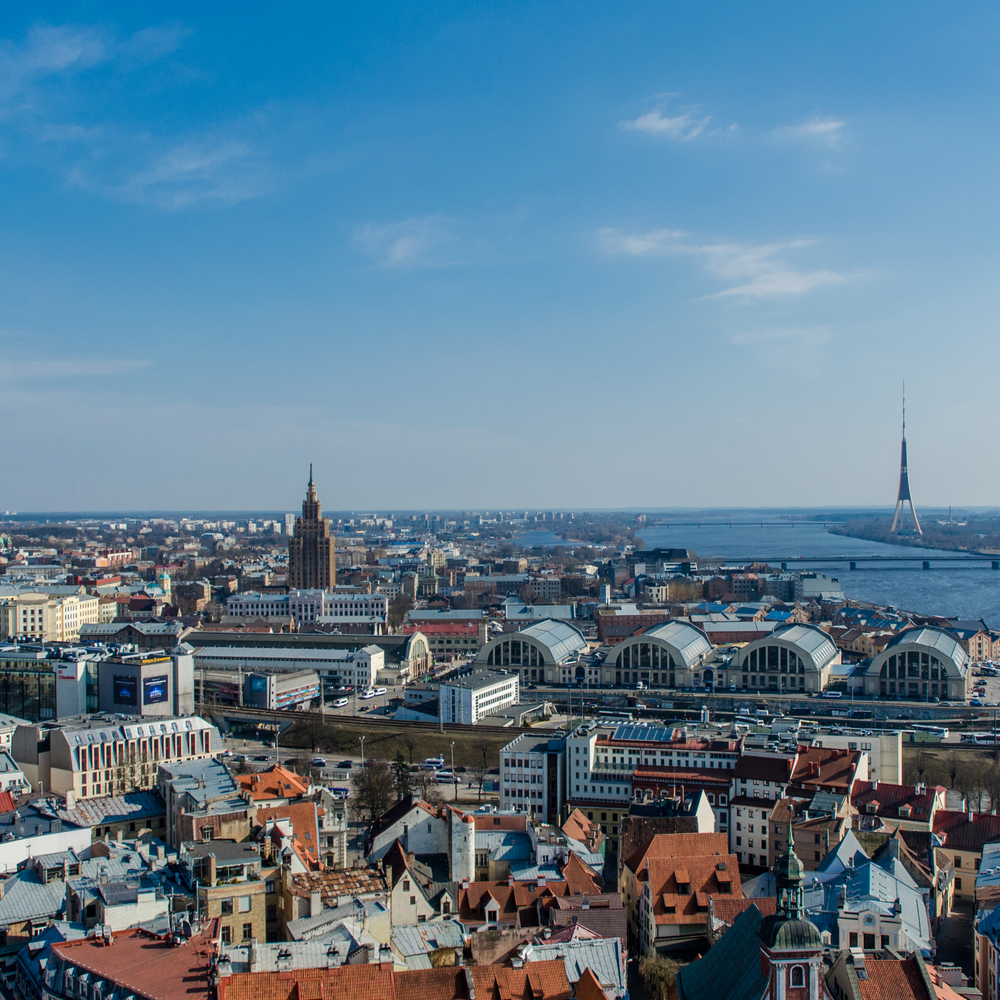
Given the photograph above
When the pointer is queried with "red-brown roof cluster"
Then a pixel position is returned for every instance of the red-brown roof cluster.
(892, 979)
(146, 964)
(960, 833)
(302, 824)
(830, 768)
(274, 783)
(895, 801)
(761, 768)
(518, 902)
(536, 981)
(516, 823)
(670, 845)
(728, 908)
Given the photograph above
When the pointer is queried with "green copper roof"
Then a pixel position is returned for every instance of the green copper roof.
(789, 935)
(714, 977)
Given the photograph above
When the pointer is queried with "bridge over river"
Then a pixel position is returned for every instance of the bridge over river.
(970, 561)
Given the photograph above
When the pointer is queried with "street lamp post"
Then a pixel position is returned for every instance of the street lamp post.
(454, 783)
(362, 750)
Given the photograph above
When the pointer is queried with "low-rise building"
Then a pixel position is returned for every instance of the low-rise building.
(90, 756)
(466, 700)
(202, 802)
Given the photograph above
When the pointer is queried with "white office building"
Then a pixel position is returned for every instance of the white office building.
(466, 700)
(310, 607)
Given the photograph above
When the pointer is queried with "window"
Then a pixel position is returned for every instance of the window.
(958, 861)
(798, 976)
(885, 941)
(244, 904)
(958, 885)
(853, 940)
(869, 942)
(227, 935)
(406, 885)
(227, 907)
(270, 886)
(247, 932)
(446, 906)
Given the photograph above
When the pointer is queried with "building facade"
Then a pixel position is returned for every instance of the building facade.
(466, 700)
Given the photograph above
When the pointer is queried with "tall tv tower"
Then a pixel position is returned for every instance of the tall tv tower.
(904, 487)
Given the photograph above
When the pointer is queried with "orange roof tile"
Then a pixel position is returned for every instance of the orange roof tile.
(892, 979)
(274, 783)
(588, 987)
(728, 908)
(146, 964)
(678, 845)
(680, 895)
(829, 767)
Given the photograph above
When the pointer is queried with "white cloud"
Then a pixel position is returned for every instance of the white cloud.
(411, 243)
(759, 268)
(826, 131)
(197, 171)
(683, 126)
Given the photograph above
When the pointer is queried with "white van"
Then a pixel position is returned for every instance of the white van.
(340, 703)
(379, 692)
(369, 694)
(432, 763)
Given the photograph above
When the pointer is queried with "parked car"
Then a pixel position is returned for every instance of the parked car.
(262, 756)
(345, 765)
(340, 703)
(318, 762)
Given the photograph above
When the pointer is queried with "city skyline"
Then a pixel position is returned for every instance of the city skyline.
(708, 243)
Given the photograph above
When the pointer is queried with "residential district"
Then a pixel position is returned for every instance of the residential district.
(679, 780)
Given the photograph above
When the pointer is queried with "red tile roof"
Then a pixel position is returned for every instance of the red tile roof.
(145, 964)
(588, 987)
(680, 887)
(728, 908)
(7, 802)
(274, 783)
(893, 979)
(678, 845)
(830, 768)
(515, 823)
(959, 833)
(887, 800)
(538, 981)
(302, 822)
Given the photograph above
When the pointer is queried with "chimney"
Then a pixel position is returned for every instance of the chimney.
(972, 816)
(315, 903)
(160, 852)
(465, 883)
(510, 880)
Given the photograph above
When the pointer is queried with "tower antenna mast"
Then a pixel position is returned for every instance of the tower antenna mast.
(903, 496)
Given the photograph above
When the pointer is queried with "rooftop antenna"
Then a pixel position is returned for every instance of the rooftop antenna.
(903, 496)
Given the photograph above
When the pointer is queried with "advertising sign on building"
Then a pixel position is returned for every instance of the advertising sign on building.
(126, 690)
(154, 690)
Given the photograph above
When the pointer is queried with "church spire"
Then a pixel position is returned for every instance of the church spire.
(310, 489)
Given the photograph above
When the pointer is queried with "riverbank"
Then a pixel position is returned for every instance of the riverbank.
(947, 537)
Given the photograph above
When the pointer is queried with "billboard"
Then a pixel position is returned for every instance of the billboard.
(258, 684)
(154, 690)
(126, 690)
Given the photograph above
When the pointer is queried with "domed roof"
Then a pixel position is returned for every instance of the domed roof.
(789, 868)
(779, 934)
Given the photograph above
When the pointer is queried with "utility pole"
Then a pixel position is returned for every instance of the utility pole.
(362, 750)
(454, 783)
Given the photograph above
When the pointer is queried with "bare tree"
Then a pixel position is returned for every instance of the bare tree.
(659, 974)
(528, 594)
(409, 744)
(374, 794)
(398, 610)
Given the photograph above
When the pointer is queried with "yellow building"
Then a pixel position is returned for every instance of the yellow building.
(44, 618)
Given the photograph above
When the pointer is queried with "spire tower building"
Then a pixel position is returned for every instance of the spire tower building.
(898, 516)
(312, 561)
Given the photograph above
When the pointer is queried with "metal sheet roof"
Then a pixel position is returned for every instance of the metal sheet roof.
(602, 956)
(561, 639)
(688, 643)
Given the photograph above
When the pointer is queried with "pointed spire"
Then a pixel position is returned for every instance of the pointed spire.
(311, 489)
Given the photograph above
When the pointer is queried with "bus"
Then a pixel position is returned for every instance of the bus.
(941, 731)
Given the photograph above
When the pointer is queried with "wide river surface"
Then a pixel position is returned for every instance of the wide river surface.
(961, 591)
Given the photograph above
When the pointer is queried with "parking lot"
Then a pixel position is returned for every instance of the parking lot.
(990, 687)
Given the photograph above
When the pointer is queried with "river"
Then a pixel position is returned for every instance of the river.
(971, 591)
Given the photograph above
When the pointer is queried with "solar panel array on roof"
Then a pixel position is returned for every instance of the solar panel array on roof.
(643, 734)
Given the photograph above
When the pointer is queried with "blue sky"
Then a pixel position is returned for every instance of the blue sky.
(480, 255)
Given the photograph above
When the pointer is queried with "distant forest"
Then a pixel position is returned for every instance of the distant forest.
(976, 535)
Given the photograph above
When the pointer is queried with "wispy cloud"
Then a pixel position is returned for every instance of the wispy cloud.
(760, 269)
(197, 171)
(422, 242)
(684, 126)
(825, 131)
